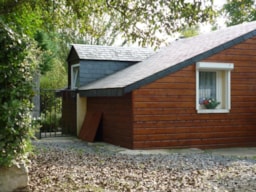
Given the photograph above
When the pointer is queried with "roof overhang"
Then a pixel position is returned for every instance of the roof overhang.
(101, 92)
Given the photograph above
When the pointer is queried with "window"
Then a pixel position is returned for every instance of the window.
(213, 87)
(75, 75)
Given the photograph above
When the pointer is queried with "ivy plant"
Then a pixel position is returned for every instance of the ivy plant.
(18, 64)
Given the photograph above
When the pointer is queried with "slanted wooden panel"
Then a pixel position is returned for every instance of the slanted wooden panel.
(90, 126)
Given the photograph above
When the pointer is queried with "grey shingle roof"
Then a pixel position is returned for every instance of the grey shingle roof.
(97, 52)
(169, 59)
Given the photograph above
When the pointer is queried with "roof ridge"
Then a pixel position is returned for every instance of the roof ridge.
(99, 52)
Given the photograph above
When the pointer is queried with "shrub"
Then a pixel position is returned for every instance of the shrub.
(18, 63)
(50, 120)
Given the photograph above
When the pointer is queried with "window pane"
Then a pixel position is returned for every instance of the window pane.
(75, 76)
(207, 85)
(76, 80)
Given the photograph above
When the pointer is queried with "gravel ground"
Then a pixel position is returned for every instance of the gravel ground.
(77, 166)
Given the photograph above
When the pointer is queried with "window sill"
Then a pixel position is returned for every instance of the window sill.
(212, 111)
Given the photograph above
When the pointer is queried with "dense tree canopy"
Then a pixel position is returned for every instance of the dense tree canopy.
(237, 11)
(144, 20)
(135, 20)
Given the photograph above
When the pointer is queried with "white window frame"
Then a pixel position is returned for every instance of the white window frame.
(74, 76)
(219, 68)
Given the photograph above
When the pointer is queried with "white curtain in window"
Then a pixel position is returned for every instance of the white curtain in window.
(207, 85)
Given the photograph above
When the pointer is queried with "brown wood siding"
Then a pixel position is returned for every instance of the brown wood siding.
(116, 120)
(68, 119)
(165, 114)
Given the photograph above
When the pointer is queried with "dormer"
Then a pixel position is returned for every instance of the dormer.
(88, 63)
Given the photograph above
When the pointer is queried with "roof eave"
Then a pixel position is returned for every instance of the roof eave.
(127, 60)
(109, 92)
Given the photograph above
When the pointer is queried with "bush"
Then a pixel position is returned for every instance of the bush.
(50, 120)
(18, 63)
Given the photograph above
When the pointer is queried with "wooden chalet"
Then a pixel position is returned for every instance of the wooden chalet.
(197, 92)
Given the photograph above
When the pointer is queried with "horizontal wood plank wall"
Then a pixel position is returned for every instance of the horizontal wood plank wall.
(165, 114)
(68, 119)
(117, 118)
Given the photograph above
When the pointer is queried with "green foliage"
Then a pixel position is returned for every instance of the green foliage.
(18, 64)
(144, 22)
(49, 51)
(22, 17)
(27, 19)
(190, 31)
(237, 11)
(50, 120)
(56, 78)
(9, 6)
